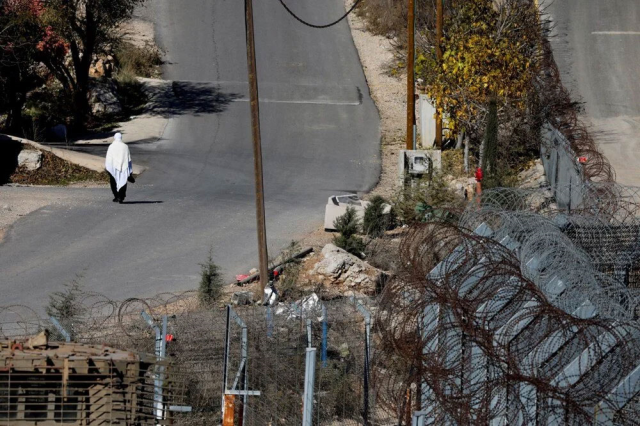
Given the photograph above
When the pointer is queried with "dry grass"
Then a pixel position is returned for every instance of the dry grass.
(138, 61)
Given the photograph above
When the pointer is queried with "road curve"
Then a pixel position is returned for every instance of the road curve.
(596, 44)
(320, 133)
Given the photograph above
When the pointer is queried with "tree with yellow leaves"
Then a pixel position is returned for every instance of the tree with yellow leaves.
(490, 52)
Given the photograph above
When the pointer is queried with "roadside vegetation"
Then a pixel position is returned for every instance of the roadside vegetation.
(56, 171)
(211, 282)
(61, 58)
(492, 55)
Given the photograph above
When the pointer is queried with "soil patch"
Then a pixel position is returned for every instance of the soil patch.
(55, 171)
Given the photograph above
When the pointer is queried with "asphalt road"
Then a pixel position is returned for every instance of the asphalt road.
(597, 47)
(320, 133)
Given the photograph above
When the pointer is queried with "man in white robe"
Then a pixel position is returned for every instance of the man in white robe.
(119, 166)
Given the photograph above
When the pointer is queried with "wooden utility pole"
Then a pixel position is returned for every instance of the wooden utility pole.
(257, 148)
(411, 88)
(439, 25)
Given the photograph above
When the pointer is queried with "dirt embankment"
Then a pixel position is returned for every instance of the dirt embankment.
(389, 94)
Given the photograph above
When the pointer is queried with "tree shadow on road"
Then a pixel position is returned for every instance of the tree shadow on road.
(188, 98)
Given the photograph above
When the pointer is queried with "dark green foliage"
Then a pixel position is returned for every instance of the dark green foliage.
(495, 164)
(87, 33)
(376, 221)
(348, 225)
(131, 95)
(354, 244)
(491, 140)
(211, 284)
(416, 201)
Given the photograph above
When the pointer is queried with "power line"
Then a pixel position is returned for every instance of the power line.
(308, 24)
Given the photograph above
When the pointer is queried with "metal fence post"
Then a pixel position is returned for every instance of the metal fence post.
(241, 381)
(323, 355)
(419, 418)
(61, 329)
(269, 322)
(367, 354)
(308, 333)
(225, 365)
(160, 348)
(245, 360)
(309, 382)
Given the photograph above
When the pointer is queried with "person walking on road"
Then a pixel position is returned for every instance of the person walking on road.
(119, 166)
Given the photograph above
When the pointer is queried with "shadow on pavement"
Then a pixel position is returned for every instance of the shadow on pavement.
(9, 150)
(142, 202)
(189, 98)
(167, 100)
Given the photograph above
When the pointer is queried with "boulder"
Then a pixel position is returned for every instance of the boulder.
(242, 298)
(104, 100)
(102, 67)
(343, 272)
(29, 159)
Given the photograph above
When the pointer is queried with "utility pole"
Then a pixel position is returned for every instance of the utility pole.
(257, 147)
(411, 97)
(439, 25)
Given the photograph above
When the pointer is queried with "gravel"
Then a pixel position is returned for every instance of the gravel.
(389, 94)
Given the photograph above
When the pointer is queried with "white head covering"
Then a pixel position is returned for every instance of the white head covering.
(118, 161)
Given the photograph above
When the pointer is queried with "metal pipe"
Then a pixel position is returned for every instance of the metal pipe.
(255, 276)
(309, 382)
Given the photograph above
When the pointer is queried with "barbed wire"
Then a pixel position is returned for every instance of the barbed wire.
(472, 338)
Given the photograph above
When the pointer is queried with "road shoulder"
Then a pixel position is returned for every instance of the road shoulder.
(388, 93)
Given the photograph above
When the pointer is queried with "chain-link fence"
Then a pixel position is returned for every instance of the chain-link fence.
(251, 359)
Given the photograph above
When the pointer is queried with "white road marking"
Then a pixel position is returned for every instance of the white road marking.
(616, 33)
(309, 102)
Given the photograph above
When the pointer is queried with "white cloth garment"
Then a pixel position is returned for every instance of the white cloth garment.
(118, 161)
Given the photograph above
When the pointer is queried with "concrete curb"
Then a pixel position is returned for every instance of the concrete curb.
(90, 161)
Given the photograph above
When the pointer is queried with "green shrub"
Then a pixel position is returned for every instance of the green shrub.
(66, 306)
(376, 221)
(425, 198)
(211, 283)
(131, 94)
(348, 225)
